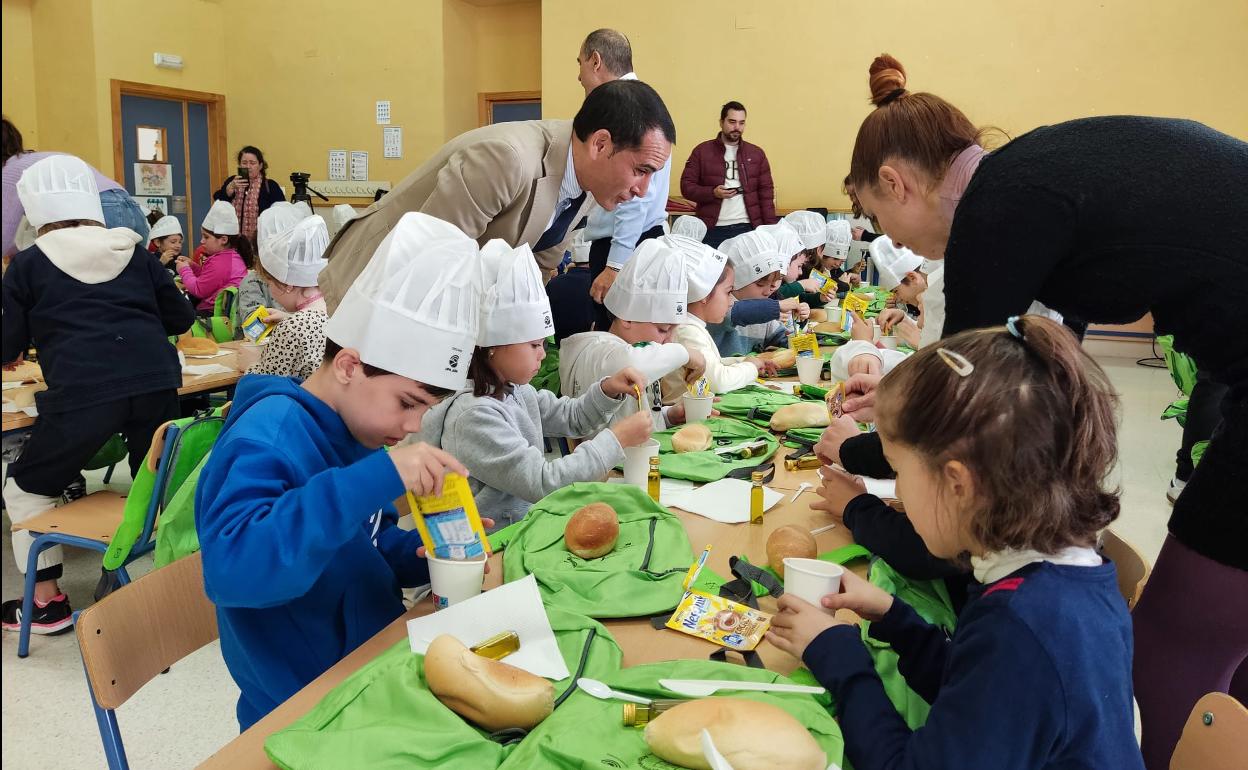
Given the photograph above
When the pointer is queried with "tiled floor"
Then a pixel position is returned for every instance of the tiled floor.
(183, 716)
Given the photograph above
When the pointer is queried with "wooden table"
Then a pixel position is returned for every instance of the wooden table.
(639, 642)
(192, 384)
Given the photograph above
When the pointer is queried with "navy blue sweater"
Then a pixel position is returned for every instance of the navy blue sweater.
(1038, 675)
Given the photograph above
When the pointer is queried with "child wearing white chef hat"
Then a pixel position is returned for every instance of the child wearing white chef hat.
(290, 263)
(496, 427)
(294, 508)
(710, 282)
(165, 239)
(648, 302)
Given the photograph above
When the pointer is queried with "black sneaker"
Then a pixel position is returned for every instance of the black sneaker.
(49, 619)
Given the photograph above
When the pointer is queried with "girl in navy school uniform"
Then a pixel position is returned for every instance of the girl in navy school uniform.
(1005, 463)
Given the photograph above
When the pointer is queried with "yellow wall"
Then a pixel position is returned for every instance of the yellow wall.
(19, 68)
(459, 66)
(487, 49)
(64, 60)
(800, 67)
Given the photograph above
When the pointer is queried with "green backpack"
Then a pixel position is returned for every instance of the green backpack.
(642, 576)
(384, 715)
(222, 325)
(547, 377)
(754, 404)
(589, 733)
(706, 465)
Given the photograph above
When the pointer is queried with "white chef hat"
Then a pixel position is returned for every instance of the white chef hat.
(25, 236)
(304, 207)
(296, 257)
(278, 218)
(811, 227)
(786, 238)
(891, 262)
(514, 306)
(221, 219)
(691, 227)
(415, 308)
(651, 287)
(580, 248)
(753, 256)
(164, 227)
(703, 264)
(836, 239)
(59, 188)
(343, 213)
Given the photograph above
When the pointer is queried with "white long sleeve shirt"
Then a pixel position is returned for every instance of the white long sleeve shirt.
(584, 359)
(722, 375)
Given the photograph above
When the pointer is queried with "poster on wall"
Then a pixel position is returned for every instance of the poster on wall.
(154, 204)
(392, 142)
(338, 165)
(359, 165)
(153, 179)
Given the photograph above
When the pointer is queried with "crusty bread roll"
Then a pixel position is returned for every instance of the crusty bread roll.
(784, 358)
(26, 371)
(807, 414)
(25, 395)
(692, 438)
(818, 315)
(197, 346)
(750, 735)
(489, 693)
(592, 531)
(830, 326)
(789, 541)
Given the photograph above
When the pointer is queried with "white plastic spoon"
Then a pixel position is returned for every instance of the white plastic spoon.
(601, 691)
(805, 485)
(699, 688)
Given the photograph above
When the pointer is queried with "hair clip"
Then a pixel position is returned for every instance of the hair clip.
(956, 361)
(1012, 327)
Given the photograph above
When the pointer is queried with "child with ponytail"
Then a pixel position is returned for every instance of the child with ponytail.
(1002, 439)
(227, 256)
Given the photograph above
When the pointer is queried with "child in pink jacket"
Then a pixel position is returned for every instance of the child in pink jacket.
(226, 254)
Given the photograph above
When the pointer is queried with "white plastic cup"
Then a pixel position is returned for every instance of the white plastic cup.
(812, 579)
(808, 369)
(876, 332)
(637, 462)
(455, 580)
(889, 342)
(697, 408)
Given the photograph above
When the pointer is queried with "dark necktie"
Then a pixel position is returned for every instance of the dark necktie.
(554, 234)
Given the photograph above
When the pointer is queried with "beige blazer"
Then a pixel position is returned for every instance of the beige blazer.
(499, 181)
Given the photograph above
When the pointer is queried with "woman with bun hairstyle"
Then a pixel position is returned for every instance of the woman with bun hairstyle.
(1114, 200)
(1037, 674)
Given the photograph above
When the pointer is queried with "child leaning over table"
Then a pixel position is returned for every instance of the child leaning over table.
(100, 310)
(226, 258)
(294, 508)
(290, 263)
(1038, 672)
(496, 428)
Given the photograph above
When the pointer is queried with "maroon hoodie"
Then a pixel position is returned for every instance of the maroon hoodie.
(704, 171)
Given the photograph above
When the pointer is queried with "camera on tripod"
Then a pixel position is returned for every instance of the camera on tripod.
(300, 180)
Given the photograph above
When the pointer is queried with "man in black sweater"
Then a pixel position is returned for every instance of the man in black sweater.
(99, 311)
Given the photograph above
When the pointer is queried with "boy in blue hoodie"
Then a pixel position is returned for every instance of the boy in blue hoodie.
(294, 510)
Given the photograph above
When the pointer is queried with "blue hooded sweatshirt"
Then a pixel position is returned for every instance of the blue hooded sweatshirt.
(301, 554)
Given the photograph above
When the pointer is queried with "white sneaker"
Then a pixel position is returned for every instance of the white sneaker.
(1176, 488)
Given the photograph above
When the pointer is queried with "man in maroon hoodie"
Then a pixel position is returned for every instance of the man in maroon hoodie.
(730, 180)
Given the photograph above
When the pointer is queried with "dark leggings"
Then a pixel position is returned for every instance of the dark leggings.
(1204, 412)
(1191, 638)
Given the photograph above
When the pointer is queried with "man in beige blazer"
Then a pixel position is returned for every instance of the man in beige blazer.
(520, 181)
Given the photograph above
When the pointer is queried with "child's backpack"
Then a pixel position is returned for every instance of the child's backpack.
(222, 325)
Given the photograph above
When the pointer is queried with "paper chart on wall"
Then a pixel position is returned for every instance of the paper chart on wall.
(392, 142)
(338, 165)
(359, 165)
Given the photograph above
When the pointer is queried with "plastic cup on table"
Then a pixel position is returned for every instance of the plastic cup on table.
(637, 462)
(808, 369)
(889, 342)
(697, 408)
(812, 579)
(455, 580)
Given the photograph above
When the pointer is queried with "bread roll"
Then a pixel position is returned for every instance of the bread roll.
(197, 346)
(808, 414)
(489, 693)
(750, 735)
(25, 395)
(26, 371)
(789, 541)
(818, 315)
(784, 358)
(831, 326)
(592, 531)
(692, 438)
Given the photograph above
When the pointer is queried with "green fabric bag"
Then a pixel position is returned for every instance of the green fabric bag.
(1177, 410)
(191, 445)
(589, 733)
(754, 399)
(706, 465)
(1182, 367)
(384, 716)
(547, 377)
(930, 599)
(642, 576)
(176, 536)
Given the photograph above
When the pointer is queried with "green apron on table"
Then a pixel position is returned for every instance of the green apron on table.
(754, 403)
(384, 716)
(641, 576)
(589, 733)
(706, 465)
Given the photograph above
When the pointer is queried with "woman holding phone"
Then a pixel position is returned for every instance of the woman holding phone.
(250, 190)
